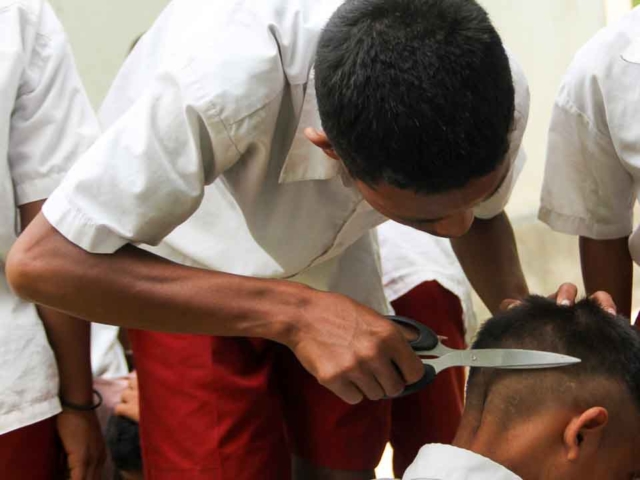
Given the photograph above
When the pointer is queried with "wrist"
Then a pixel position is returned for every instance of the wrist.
(78, 392)
(88, 406)
(288, 312)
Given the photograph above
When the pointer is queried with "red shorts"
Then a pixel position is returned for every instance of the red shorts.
(32, 452)
(232, 408)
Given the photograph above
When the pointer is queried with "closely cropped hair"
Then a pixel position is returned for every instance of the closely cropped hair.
(123, 442)
(607, 345)
(415, 93)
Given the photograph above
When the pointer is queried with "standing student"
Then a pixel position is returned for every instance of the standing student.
(592, 173)
(416, 100)
(46, 122)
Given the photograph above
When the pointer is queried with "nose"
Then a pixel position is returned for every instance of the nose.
(455, 225)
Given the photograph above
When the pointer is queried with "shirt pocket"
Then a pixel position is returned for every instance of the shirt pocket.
(632, 53)
(363, 219)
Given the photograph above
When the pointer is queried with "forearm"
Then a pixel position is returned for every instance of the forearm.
(489, 257)
(70, 340)
(136, 289)
(607, 266)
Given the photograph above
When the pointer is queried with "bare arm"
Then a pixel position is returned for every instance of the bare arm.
(607, 266)
(489, 256)
(69, 338)
(348, 347)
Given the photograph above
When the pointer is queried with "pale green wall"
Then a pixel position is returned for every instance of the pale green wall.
(101, 33)
(543, 35)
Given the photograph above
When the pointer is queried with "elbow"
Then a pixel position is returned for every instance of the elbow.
(24, 271)
(19, 271)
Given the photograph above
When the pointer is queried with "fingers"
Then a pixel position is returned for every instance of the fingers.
(388, 378)
(508, 304)
(408, 363)
(121, 409)
(605, 301)
(410, 334)
(376, 375)
(566, 294)
(128, 410)
(369, 386)
(129, 396)
(133, 381)
(77, 473)
(347, 391)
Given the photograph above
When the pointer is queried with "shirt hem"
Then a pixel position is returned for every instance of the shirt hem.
(37, 189)
(78, 228)
(28, 416)
(580, 226)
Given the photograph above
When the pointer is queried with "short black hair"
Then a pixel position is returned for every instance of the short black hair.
(609, 348)
(123, 442)
(415, 93)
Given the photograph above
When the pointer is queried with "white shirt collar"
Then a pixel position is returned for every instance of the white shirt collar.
(446, 462)
(305, 161)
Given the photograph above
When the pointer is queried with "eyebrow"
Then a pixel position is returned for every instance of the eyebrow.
(435, 220)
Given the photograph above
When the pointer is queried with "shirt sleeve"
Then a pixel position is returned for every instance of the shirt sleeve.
(516, 155)
(145, 175)
(586, 190)
(202, 106)
(52, 122)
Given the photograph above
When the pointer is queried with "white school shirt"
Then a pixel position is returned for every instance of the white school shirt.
(107, 355)
(592, 176)
(46, 122)
(218, 94)
(446, 462)
(410, 257)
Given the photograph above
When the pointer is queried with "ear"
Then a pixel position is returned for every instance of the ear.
(320, 140)
(584, 433)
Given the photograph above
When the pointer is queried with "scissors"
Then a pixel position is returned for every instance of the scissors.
(428, 344)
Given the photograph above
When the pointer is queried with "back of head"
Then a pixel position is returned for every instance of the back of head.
(608, 375)
(123, 442)
(415, 93)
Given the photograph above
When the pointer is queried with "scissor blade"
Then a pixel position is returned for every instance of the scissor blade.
(502, 358)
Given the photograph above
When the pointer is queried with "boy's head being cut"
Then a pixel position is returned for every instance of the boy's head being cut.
(575, 422)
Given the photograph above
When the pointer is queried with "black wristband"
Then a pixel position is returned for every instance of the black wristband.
(82, 408)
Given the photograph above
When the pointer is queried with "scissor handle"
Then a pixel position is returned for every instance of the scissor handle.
(428, 377)
(427, 340)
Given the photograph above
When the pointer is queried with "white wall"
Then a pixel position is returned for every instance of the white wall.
(544, 35)
(101, 33)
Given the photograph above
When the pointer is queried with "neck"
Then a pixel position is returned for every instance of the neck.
(523, 448)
